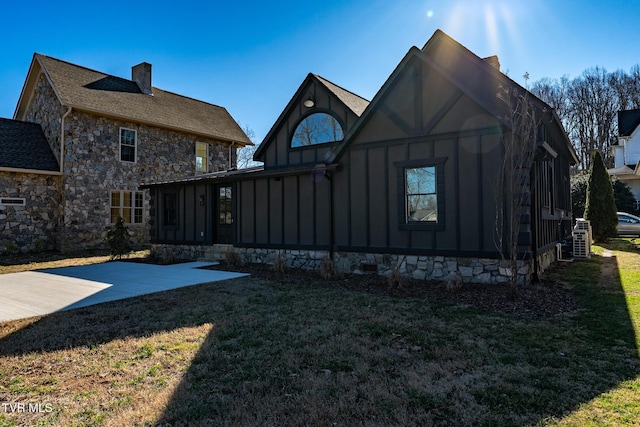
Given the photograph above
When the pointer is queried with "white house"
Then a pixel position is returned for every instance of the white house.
(627, 151)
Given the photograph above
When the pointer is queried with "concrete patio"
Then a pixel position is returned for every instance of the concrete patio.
(35, 293)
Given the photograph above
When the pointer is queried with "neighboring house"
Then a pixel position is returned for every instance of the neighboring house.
(626, 153)
(106, 135)
(405, 181)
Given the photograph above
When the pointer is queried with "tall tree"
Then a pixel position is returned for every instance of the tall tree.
(511, 189)
(588, 107)
(600, 207)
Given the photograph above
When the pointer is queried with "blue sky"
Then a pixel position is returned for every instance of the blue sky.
(250, 57)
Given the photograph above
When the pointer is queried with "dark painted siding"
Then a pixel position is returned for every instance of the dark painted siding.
(278, 151)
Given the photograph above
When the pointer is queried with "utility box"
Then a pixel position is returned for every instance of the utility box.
(581, 244)
(585, 225)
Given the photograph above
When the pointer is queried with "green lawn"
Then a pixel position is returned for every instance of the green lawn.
(253, 352)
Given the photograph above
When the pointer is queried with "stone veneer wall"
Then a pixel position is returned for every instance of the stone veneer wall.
(469, 270)
(45, 109)
(92, 167)
(32, 227)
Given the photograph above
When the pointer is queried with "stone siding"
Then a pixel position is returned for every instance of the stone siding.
(45, 109)
(92, 166)
(469, 270)
(32, 227)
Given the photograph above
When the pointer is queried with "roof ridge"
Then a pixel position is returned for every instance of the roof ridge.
(340, 87)
(190, 98)
(127, 80)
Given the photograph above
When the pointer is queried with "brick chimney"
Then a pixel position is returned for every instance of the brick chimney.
(493, 61)
(141, 74)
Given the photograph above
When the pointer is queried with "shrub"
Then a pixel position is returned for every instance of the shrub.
(624, 198)
(232, 258)
(118, 239)
(454, 283)
(600, 208)
(579, 194)
(395, 280)
(328, 269)
(279, 265)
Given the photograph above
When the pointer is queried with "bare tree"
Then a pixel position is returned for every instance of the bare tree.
(588, 106)
(245, 154)
(512, 192)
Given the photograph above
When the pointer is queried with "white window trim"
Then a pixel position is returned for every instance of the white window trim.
(135, 145)
(132, 207)
(205, 163)
(13, 201)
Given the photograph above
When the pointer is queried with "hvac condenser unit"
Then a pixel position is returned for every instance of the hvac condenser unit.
(581, 244)
(585, 225)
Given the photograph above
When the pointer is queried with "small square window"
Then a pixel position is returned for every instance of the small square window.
(128, 145)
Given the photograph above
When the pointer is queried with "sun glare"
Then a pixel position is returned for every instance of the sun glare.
(490, 22)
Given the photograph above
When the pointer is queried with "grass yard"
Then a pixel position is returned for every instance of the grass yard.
(255, 352)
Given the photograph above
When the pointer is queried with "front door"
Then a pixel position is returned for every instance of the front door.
(224, 217)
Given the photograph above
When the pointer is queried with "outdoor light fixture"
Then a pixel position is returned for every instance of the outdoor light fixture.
(309, 102)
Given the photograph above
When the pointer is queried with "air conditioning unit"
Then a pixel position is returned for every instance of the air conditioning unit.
(581, 244)
(584, 225)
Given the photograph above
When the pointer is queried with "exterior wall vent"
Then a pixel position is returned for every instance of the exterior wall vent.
(12, 201)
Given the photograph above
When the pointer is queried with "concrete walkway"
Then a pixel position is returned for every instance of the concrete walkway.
(34, 293)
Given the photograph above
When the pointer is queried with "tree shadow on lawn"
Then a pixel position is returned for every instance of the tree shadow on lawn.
(534, 371)
(269, 365)
(132, 317)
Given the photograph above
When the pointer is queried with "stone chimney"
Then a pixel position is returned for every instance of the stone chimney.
(141, 74)
(493, 61)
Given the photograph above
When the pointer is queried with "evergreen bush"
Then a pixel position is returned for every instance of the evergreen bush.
(118, 239)
(625, 200)
(600, 207)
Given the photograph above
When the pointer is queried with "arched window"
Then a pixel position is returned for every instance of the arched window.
(318, 128)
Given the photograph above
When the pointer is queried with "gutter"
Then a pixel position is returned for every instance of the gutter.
(34, 171)
(62, 139)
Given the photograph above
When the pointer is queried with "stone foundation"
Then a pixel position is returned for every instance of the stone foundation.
(469, 270)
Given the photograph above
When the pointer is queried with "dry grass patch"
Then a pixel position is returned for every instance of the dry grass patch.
(256, 352)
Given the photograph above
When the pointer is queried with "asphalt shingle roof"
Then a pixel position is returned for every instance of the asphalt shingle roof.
(93, 91)
(628, 121)
(356, 103)
(24, 146)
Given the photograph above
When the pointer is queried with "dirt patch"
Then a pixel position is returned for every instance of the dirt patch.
(536, 300)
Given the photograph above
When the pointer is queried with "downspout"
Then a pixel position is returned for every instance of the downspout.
(534, 222)
(62, 139)
(230, 158)
(62, 197)
(331, 229)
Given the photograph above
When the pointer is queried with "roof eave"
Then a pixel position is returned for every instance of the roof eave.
(29, 87)
(34, 171)
(158, 124)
